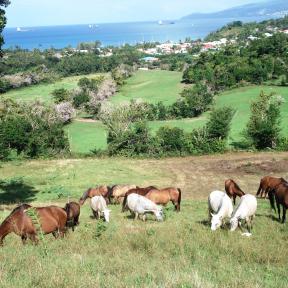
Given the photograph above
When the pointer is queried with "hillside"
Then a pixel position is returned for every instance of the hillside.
(266, 9)
(127, 253)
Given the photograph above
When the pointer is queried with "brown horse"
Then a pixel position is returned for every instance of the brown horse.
(99, 191)
(163, 196)
(52, 220)
(280, 194)
(139, 191)
(267, 184)
(73, 212)
(233, 190)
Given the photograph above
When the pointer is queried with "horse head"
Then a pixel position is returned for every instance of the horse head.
(216, 221)
(84, 196)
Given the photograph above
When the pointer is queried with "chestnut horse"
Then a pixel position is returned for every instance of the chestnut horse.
(139, 191)
(267, 184)
(280, 193)
(52, 220)
(163, 196)
(233, 190)
(99, 191)
(73, 212)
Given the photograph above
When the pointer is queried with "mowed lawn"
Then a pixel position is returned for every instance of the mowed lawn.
(152, 87)
(43, 92)
(182, 251)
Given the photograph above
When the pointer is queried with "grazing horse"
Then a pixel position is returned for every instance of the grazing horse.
(163, 196)
(52, 219)
(233, 190)
(73, 212)
(267, 184)
(137, 190)
(99, 191)
(119, 191)
(280, 193)
(245, 211)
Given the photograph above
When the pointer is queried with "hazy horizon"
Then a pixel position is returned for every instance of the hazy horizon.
(91, 12)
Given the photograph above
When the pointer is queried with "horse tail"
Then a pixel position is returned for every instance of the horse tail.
(272, 199)
(67, 210)
(179, 199)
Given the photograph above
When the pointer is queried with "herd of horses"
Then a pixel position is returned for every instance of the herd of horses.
(57, 220)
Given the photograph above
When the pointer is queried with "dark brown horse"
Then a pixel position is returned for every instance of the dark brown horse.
(139, 191)
(104, 191)
(280, 194)
(233, 190)
(52, 219)
(163, 196)
(73, 212)
(268, 183)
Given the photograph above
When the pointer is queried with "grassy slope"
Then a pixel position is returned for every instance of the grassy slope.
(180, 252)
(43, 91)
(86, 136)
(152, 87)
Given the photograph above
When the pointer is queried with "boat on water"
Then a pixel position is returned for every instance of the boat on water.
(92, 26)
(160, 22)
(18, 29)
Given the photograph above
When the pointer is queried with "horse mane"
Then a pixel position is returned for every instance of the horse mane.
(237, 186)
(85, 194)
(21, 206)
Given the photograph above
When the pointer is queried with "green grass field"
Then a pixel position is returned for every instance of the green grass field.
(179, 252)
(43, 91)
(86, 136)
(152, 87)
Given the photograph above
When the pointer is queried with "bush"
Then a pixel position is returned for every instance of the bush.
(263, 128)
(31, 129)
(60, 95)
(219, 122)
(172, 140)
(4, 85)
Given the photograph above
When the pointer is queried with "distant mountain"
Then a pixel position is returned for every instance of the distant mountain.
(275, 8)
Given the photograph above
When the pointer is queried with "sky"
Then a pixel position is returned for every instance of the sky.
(29, 13)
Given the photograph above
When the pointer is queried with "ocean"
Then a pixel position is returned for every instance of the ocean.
(115, 34)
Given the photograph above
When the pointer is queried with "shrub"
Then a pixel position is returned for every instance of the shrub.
(65, 112)
(4, 85)
(263, 128)
(219, 122)
(60, 95)
(31, 129)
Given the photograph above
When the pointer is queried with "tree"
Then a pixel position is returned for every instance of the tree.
(263, 128)
(3, 3)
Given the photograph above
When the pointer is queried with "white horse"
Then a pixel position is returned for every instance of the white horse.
(221, 205)
(140, 205)
(245, 210)
(99, 207)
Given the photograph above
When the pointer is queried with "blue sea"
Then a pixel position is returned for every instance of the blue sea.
(115, 34)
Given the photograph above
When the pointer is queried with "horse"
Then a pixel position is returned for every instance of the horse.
(233, 190)
(137, 190)
(52, 219)
(99, 207)
(163, 196)
(280, 194)
(73, 212)
(99, 191)
(140, 205)
(119, 191)
(267, 184)
(246, 211)
(221, 205)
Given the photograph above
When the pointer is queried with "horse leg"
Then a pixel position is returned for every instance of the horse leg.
(144, 217)
(136, 215)
(24, 239)
(234, 199)
(248, 223)
(55, 234)
(284, 214)
(278, 210)
(33, 238)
